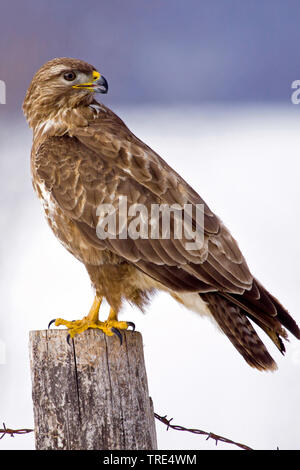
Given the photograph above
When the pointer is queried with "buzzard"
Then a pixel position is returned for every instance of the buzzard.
(84, 157)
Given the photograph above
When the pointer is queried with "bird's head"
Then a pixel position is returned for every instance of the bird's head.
(61, 84)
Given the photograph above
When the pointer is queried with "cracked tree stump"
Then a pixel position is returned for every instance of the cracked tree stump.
(91, 394)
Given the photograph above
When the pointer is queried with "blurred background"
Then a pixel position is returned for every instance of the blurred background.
(207, 84)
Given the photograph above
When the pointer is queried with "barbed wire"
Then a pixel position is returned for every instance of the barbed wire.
(162, 419)
(210, 435)
(12, 432)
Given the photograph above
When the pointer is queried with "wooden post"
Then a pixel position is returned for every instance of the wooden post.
(91, 394)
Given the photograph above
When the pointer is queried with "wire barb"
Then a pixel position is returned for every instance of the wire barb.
(210, 435)
(12, 432)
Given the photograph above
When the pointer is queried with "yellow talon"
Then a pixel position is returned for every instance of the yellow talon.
(78, 326)
(92, 321)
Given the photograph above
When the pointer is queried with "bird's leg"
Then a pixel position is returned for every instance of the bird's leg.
(113, 324)
(112, 321)
(93, 314)
(90, 321)
(109, 327)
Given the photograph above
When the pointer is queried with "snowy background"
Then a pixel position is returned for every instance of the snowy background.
(244, 161)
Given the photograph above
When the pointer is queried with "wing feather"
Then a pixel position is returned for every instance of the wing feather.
(98, 165)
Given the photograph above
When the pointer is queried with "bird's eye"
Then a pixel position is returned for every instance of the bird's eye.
(70, 76)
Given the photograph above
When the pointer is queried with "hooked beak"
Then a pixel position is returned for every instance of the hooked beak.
(98, 85)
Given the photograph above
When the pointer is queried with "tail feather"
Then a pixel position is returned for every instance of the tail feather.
(266, 309)
(231, 311)
(240, 331)
(285, 318)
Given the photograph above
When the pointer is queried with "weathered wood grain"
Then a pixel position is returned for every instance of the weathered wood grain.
(91, 394)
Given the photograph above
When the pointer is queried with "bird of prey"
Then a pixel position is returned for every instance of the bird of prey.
(83, 157)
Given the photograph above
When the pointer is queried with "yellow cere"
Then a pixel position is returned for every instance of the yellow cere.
(96, 75)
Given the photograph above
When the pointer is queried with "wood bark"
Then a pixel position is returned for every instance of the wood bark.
(91, 394)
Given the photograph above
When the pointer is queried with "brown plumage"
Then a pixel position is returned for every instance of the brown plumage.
(83, 155)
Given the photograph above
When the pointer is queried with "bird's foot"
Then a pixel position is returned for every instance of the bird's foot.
(109, 327)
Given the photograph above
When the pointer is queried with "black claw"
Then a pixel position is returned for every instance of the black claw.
(130, 323)
(68, 340)
(50, 323)
(119, 335)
